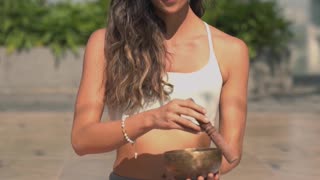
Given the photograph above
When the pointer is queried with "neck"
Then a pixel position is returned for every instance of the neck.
(180, 23)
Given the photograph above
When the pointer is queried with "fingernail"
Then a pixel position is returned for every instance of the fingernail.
(206, 119)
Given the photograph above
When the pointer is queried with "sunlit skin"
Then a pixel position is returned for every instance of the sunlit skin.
(186, 39)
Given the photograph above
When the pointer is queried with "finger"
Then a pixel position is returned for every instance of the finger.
(194, 114)
(216, 176)
(187, 124)
(187, 129)
(175, 125)
(210, 176)
(191, 104)
(200, 178)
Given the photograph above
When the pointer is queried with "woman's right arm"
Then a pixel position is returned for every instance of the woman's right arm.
(90, 135)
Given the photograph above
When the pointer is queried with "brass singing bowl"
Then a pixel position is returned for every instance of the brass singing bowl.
(192, 162)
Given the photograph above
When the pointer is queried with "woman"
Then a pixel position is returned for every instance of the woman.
(154, 56)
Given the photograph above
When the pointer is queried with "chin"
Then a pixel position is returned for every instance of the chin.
(170, 6)
(171, 10)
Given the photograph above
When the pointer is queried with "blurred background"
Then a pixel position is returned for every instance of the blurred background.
(41, 51)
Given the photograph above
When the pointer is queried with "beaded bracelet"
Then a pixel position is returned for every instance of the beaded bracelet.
(124, 131)
(127, 137)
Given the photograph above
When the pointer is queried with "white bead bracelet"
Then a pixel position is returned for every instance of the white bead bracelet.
(127, 137)
(124, 131)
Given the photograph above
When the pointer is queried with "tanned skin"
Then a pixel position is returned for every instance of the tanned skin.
(186, 39)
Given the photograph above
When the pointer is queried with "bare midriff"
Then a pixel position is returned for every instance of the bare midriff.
(150, 147)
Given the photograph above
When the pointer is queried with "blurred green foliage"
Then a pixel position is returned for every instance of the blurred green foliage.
(66, 26)
(61, 26)
(259, 23)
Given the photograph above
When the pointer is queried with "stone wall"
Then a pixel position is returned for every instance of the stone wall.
(38, 71)
(34, 80)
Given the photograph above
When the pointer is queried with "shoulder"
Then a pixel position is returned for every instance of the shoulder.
(228, 46)
(94, 50)
(232, 52)
(223, 39)
(97, 39)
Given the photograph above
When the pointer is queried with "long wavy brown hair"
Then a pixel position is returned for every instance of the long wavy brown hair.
(135, 54)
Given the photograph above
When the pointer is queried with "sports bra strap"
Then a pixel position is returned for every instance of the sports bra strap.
(209, 38)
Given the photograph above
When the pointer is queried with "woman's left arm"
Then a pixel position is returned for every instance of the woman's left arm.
(233, 99)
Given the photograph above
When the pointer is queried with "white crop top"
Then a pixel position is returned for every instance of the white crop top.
(203, 86)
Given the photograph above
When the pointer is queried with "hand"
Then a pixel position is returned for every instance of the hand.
(210, 176)
(168, 116)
